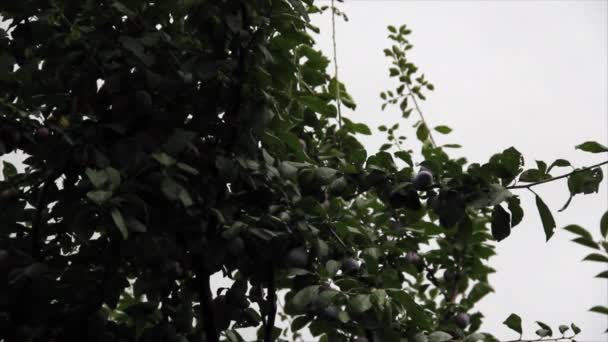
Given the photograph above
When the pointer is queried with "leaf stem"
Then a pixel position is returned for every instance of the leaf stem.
(528, 186)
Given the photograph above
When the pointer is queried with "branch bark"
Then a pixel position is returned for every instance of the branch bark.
(271, 299)
(206, 306)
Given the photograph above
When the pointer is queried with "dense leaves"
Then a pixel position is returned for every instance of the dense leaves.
(167, 143)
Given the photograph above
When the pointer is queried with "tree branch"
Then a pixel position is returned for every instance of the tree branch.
(271, 299)
(417, 107)
(207, 306)
(528, 186)
(563, 338)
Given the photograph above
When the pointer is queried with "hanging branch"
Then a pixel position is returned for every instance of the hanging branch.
(528, 186)
(333, 38)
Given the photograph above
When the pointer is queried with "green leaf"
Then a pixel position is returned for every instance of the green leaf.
(304, 297)
(517, 213)
(578, 230)
(422, 133)
(575, 328)
(406, 157)
(586, 242)
(332, 267)
(480, 290)
(443, 129)
(8, 170)
(421, 337)
(359, 304)
(532, 175)
(604, 225)
(603, 274)
(439, 336)
(501, 223)
(514, 323)
(122, 9)
(164, 159)
(546, 217)
(596, 257)
(592, 147)
(559, 163)
(325, 174)
(600, 309)
(585, 181)
(563, 328)
(175, 191)
(542, 332)
(99, 196)
(120, 223)
(356, 127)
(475, 337)
(97, 177)
(545, 327)
(299, 323)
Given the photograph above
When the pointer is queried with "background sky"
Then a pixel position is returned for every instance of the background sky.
(528, 74)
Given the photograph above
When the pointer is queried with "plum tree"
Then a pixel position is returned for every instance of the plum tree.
(166, 143)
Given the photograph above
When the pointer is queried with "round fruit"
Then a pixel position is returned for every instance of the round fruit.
(350, 265)
(462, 320)
(236, 246)
(413, 258)
(423, 179)
(338, 186)
(331, 313)
(297, 257)
(449, 276)
(237, 299)
(7, 194)
(43, 133)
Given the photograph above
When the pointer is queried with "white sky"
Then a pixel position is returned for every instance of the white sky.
(507, 73)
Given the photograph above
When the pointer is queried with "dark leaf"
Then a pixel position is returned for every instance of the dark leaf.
(514, 323)
(501, 223)
(592, 147)
(546, 217)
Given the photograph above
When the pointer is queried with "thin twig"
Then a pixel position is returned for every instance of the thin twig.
(417, 107)
(333, 37)
(528, 186)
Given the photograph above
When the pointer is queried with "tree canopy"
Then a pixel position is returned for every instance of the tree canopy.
(168, 141)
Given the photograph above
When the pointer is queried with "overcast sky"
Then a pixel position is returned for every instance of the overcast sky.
(532, 75)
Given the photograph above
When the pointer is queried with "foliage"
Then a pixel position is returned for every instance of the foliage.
(169, 141)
